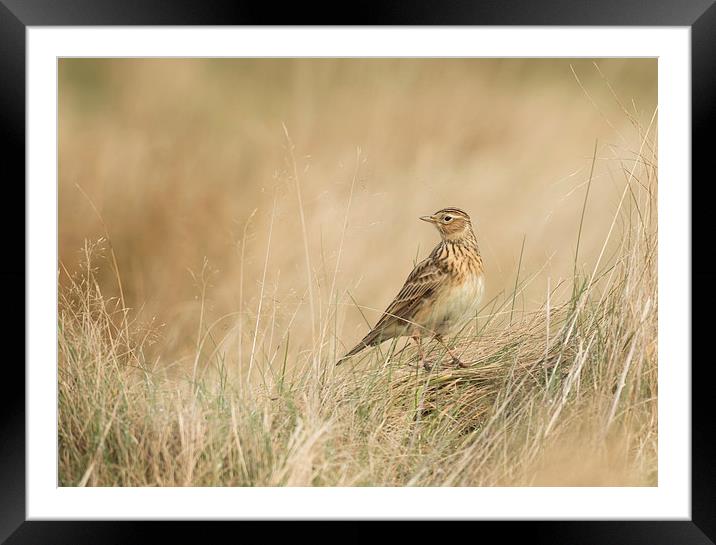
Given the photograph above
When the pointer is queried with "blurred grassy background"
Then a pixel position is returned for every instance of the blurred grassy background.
(178, 154)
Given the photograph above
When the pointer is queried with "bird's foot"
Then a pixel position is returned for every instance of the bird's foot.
(458, 363)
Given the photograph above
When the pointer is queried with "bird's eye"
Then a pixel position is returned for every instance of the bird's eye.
(447, 219)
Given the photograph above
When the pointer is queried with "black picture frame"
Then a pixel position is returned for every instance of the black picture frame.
(16, 15)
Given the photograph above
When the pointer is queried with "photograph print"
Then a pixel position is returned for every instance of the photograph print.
(351, 272)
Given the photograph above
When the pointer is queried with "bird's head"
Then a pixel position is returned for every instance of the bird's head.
(452, 224)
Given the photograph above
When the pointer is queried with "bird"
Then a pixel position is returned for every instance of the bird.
(440, 294)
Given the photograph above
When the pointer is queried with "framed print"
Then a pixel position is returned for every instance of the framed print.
(421, 269)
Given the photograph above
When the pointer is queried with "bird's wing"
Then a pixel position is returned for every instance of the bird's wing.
(424, 279)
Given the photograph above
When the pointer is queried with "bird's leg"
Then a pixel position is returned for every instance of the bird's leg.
(421, 355)
(455, 359)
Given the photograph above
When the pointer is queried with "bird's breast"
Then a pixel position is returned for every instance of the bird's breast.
(457, 302)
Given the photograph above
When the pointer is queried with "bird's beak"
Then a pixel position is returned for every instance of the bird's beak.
(430, 219)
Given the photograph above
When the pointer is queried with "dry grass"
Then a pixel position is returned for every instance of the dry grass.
(239, 387)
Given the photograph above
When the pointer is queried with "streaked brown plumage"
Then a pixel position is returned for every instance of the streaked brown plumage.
(440, 294)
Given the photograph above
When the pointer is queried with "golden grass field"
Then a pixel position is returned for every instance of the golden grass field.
(228, 228)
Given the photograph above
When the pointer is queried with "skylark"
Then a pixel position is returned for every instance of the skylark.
(441, 293)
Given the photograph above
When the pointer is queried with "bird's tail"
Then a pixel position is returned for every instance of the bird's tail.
(371, 339)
